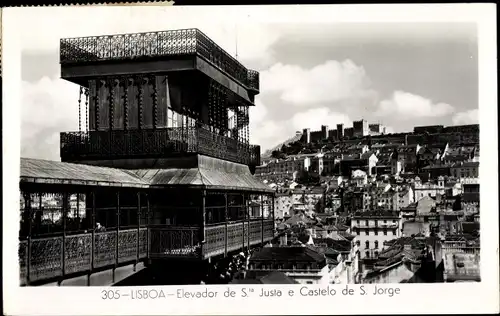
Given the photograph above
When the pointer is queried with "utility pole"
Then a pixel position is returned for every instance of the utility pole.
(236, 40)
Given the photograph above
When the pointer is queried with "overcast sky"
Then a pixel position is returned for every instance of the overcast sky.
(397, 74)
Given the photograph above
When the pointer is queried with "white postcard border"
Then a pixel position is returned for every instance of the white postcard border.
(414, 298)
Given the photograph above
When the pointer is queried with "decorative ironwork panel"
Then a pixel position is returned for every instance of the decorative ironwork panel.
(105, 249)
(23, 260)
(78, 250)
(127, 245)
(175, 241)
(143, 243)
(157, 142)
(246, 235)
(46, 258)
(268, 229)
(215, 240)
(234, 236)
(253, 79)
(255, 232)
(154, 44)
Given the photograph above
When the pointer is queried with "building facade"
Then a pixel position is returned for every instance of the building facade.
(374, 228)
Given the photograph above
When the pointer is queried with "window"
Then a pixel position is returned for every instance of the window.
(385, 221)
(366, 223)
(367, 244)
(367, 254)
(367, 233)
(385, 232)
(376, 253)
(309, 282)
(358, 243)
(376, 244)
(376, 232)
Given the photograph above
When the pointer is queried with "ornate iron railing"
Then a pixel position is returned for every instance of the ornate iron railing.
(45, 258)
(174, 241)
(240, 234)
(155, 44)
(52, 257)
(253, 79)
(155, 142)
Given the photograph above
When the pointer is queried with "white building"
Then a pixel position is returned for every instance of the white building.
(301, 263)
(428, 189)
(359, 178)
(373, 228)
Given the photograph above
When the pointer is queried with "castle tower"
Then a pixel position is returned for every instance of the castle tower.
(325, 131)
(306, 135)
(340, 131)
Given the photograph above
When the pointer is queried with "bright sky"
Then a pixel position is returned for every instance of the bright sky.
(313, 71)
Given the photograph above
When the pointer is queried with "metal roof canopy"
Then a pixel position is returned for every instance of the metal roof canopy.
(210, 173)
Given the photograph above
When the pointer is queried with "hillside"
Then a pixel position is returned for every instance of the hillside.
(293, 139)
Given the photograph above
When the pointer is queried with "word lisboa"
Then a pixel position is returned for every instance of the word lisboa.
(133, 294)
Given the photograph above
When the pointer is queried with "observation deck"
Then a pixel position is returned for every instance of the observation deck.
(155, 143)
(165, 51)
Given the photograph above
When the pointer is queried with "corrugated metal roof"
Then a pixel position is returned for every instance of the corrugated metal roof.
(203, 177)
(46, 171)
(210, 173)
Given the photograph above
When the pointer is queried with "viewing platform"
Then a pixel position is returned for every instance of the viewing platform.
(157, 143)
(177, 46)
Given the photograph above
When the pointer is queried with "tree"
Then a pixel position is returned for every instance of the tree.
(278, 154)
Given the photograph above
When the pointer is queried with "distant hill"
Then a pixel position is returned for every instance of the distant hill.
(293, 139)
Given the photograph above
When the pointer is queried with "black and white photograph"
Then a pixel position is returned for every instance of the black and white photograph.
(159, 148)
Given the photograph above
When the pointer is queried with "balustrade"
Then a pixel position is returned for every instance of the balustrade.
(155, 44)
(240, 234)
(110, 236)
(46, 259)
(178, 241)
(157, 142)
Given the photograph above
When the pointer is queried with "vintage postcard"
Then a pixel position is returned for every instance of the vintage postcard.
(302, 159)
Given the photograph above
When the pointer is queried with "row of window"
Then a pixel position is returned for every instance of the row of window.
(367, 232)
(367, 244)
(282, 266)
(385, 222)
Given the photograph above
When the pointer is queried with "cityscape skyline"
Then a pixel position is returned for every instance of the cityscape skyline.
(321, 75)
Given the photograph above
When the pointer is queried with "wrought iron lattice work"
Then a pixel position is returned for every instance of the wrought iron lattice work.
(127, 245)
(77, 253)
(105, 249)
(156, 142)
(143, 243)
(255, 232)
(155, 44)
(46, 255)
(80, 110)
(268, 229)
(234, 236)
(23, 260)
(86, 109)
(253, 79)
(174, 241)
(215, 239)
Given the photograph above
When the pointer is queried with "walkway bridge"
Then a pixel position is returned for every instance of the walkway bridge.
(80, 220)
